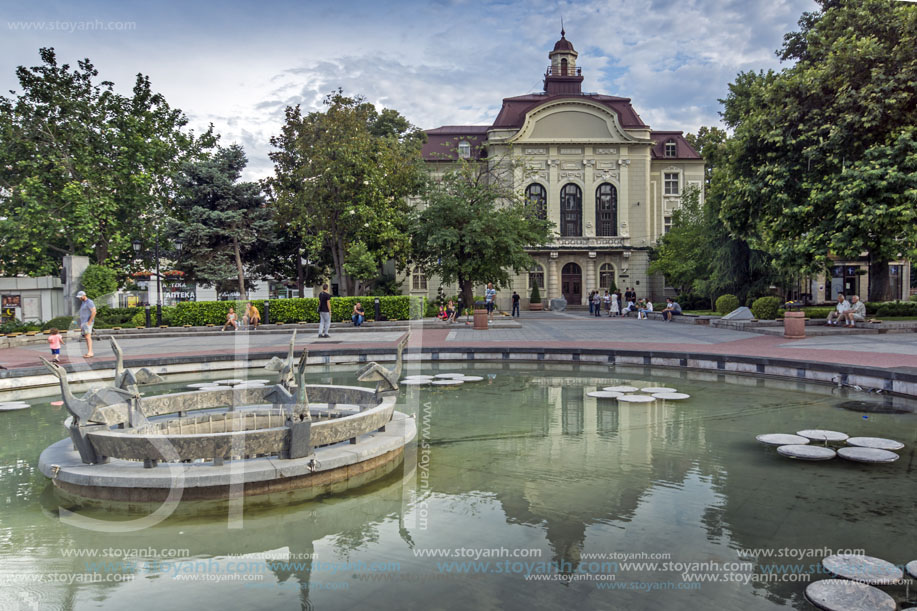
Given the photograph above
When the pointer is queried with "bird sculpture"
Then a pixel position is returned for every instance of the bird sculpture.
(387, 379)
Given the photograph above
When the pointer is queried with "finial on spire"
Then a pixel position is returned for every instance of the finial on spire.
(562, 33)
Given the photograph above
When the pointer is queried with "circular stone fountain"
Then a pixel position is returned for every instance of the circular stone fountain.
(210, 443)
(844, 595)
(865, 569)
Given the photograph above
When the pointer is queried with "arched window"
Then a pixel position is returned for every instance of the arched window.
(606, 210)
(536, 276)
(464, 149)
(571, 211)
(670, 148)
(537, 199)
(607, 277)
(563, 67)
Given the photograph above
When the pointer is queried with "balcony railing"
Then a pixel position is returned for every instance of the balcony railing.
(563, 71)
(589, 242)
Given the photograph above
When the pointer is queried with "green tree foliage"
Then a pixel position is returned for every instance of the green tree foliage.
(683, 254)
(824, 154)
(342, 177)
(474, 229)
(98, 281)
(222, 222)
(83, 168)
(765, 308)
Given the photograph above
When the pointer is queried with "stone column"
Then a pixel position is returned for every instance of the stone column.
(553, 284)
(589, 282)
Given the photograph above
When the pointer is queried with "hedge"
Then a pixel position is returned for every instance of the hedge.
(765, 308)
(726, 304)
(201, 313)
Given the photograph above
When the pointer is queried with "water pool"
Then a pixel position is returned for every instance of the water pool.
(522, 492)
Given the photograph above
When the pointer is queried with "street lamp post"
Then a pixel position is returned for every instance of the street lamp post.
(137, 245)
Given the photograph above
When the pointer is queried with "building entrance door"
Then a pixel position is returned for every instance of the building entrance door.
(571, 282)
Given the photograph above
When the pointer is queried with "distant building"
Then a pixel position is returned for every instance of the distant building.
(592, 166)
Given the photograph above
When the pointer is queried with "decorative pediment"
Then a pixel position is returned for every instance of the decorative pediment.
(570, 121)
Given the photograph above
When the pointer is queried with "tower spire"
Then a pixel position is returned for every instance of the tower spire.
(562, 33)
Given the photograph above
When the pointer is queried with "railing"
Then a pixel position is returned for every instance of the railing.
(587, 242)
(563, 71)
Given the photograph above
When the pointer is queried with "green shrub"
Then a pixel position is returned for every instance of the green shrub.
(913, 297)
(692, 301)
(898, 308)
(765, 308)
(535, 297)
(169, 317)
(115, 317)
(98, 281)
(726, 304)
(61, 323)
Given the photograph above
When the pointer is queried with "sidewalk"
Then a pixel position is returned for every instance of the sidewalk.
(538, 330)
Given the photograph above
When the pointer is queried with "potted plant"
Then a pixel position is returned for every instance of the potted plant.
(535, 298)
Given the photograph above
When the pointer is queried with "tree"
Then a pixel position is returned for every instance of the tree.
(474, 229)
(822, 158)
(342, 178)
(82, 168)
(683, 254)
(98, 281)
(221, 222)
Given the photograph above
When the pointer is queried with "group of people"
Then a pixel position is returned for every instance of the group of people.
(847, 312)
(251, 318)
(618, 304)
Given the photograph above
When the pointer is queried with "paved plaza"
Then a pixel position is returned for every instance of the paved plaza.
(538, 330)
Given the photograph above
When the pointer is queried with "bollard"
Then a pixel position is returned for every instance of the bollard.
(147, 312)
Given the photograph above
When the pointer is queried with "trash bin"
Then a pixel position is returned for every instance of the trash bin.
(794, 325)
(480, 316)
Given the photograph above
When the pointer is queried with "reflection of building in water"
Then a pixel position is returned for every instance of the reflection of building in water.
(285, 536)
(580, 462)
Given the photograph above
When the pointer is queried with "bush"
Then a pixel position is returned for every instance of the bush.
(726, 304)
(115, 317)
(535, 296)
(169, 317)
(913, 297)
(692, 301)
(61, 323)
(16, 326)
(765, 308)
(897, 308)
(98, 281)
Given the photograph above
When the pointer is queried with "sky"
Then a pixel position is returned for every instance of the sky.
(238, 65)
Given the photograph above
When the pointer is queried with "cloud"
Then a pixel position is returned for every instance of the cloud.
(445, 62)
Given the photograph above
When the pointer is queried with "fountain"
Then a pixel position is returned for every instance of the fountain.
(273, 438)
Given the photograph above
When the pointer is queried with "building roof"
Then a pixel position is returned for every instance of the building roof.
(442, 142)
(512, 115)
(683, 150)
(563, 44)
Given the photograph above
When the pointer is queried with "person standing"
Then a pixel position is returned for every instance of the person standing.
(54, 342)
(615, 304)
(590, 302)
(87, 318)
(515, 304)
(324, 312)
(490, 294)
(606, 303)
(597, 304)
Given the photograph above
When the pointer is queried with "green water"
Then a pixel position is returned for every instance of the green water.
(521, 469)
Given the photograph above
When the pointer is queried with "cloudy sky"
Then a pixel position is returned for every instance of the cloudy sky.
(439, 62)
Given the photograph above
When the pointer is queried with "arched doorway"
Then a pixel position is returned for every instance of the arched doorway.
(571, 283)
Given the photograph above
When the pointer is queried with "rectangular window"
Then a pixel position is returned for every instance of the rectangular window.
(671, 183)
(419, 281)
(666, 224)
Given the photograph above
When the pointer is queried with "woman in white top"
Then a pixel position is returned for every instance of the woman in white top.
(615, 306)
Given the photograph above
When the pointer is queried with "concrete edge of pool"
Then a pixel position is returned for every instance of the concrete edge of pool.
(341, 465)
(27, 383)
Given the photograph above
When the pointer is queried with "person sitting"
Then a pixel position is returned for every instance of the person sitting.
(647, 307)
(838, 313)
(358, 314)
(450, 312)
(253, 316)
(856, 313)
(671, 309)
(231, 320)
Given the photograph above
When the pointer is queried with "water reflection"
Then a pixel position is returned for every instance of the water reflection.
(527, 461)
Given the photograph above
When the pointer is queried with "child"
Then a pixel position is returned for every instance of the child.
(55, 341)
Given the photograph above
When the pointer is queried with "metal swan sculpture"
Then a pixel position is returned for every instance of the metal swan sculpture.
(387, 378)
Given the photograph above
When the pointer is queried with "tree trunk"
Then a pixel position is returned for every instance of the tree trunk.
(239, 269)
(467, 288)
(878, 277)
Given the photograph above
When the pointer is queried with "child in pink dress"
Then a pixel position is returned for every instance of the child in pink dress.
(55, 341)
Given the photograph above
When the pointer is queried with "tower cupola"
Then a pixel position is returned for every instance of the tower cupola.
(562, 76)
